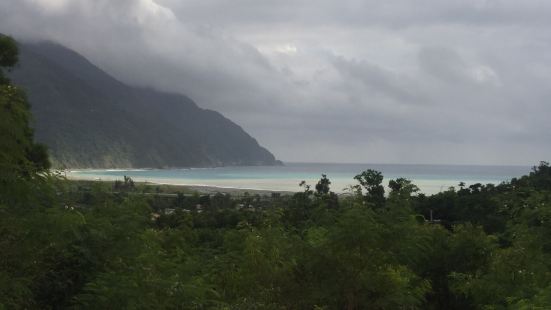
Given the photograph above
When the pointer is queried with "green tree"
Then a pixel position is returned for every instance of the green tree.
(8, 56)
(401, 190)
(322, 187)
(20, 156)
(353, 265)
(371, 181)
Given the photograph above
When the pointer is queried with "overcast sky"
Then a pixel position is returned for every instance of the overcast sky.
(424, 81)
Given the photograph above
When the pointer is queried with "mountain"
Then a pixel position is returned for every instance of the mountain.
(88, 119)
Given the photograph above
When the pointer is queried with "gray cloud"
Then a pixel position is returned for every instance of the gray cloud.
(425, 81)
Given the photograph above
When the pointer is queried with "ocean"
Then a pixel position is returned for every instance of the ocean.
(429, 178)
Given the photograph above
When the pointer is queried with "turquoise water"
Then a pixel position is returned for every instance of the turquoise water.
(429, 178)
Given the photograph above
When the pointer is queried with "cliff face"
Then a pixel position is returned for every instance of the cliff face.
(88, 119)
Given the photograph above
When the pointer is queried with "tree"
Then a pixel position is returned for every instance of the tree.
(17, 149)
(402, 187)
(322, 187)
(8, 56)
(21, 159)
(352, 264)
(371, 181)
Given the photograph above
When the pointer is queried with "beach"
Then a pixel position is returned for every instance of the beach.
(430, 179)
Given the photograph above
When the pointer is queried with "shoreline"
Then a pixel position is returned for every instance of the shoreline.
(267, 180)
(185, 187)
(427, 187)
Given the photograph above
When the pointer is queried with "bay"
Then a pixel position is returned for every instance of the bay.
(429, 178)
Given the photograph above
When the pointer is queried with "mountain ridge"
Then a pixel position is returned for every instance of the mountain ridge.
(89, 119)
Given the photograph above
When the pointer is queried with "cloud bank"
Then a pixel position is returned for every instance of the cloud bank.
(331, 81)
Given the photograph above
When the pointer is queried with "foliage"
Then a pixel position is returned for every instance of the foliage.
(371, 181)
(9, 56)
(101, 247)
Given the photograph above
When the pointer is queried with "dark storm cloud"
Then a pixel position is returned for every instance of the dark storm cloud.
(378, 81)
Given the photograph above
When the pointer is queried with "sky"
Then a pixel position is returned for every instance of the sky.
(425, 81)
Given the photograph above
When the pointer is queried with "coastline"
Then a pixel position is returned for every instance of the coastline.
(430, 179)
(174, 186)
(236, 185)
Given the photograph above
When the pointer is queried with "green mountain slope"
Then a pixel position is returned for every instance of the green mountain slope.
(90, 120)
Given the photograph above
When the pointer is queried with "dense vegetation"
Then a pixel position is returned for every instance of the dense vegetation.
(115, 246)
(89, 119)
